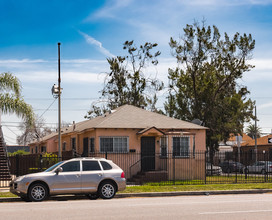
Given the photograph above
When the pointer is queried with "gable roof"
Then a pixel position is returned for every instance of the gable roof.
(128, 116)
(260, 141)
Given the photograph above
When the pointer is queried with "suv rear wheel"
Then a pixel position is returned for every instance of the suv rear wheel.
(107, 190)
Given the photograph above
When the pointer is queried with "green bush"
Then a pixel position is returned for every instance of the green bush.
(19, 152)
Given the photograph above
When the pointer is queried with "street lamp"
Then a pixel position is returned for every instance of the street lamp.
(56, 92)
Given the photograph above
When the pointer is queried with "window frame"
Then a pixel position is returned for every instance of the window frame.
(91, 139)
(113, 144)
(180, 153)
(73, 147)
(166, 146)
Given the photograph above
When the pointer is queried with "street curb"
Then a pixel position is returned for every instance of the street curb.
(153, 194)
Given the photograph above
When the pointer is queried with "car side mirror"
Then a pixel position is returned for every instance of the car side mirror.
(59, 169)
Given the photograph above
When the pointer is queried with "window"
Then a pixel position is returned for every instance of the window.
(91, 145)
(73, 143)
(90, 165)
(71, 166)
(36, 149)
(64, 146)
(105, 165)
(114, 144)
(43, 149)
(164, 146)
(181, 146)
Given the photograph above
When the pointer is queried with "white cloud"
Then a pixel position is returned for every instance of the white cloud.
(90, 40)
(266, 105)
(110, 9)
(224, 2)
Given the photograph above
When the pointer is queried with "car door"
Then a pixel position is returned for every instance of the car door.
(91, 175)
(69, 180)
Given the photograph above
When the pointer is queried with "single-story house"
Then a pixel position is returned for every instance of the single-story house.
(127, 131)
(264, 148)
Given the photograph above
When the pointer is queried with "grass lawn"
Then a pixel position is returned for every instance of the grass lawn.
(172, 188)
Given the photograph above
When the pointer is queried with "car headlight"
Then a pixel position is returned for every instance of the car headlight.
(20, 178)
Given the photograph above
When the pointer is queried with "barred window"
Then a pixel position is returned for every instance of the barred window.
(114, 144)
(73, 143)
(92, 145)
(181, 146)
(164, 146)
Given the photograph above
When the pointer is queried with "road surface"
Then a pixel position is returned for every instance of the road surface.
(255, 206)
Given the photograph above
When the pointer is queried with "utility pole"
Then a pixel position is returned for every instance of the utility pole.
(59, 109)
(256, 134)
(56, 92)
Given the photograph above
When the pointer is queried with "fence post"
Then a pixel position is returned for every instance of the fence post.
(17, 165)
(106, 155)
(174, 169)
(236, 171)
(205, 155)
(40, 162)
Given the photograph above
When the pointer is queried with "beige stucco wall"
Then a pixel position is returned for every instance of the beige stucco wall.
(185, 168)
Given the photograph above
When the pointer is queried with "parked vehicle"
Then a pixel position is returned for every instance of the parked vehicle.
(231, 166)
(94, 177)
(262, 167)
(213, 170)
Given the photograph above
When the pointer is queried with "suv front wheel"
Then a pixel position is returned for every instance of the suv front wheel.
(37, 192)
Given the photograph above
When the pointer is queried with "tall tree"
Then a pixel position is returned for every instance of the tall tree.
(33, 132)
(11, 100)
(205, 86)
(252, 132)
(127, 82)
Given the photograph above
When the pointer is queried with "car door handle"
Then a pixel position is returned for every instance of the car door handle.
(99, 174)
(78, 175)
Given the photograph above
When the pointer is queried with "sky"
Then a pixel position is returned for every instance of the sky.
(92, 31)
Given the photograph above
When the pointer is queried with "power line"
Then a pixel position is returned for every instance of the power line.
(48, 108)
(11, 130)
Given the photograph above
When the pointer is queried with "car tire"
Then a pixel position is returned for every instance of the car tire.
(107, 190)
(228, 170)
(25, 198)
(37, 192)
(246, 171)
(93, 196)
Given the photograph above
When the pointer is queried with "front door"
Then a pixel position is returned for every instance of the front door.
(85, 147)
(148, 153)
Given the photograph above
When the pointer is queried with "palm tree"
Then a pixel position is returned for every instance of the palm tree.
(250, 131)
(11, 100)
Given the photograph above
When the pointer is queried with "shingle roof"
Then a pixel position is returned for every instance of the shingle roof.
(260, 141)
(128, 116)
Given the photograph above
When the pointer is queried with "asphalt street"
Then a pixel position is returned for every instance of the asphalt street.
(254, 206)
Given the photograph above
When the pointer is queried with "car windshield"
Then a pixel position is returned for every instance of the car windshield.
(53, 167)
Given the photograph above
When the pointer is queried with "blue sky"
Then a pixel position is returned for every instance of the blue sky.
(91, 31)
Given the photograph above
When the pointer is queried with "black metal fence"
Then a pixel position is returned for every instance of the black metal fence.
(168, 168)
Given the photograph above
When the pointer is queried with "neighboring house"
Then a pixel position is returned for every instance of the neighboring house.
(264, 148)
(226, 149)
(129, 130)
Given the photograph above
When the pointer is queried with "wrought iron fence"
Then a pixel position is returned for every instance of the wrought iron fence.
(168, 167)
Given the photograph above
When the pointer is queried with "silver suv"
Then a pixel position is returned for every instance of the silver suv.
(94, 177)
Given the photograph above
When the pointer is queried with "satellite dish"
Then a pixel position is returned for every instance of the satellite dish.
(197, 121)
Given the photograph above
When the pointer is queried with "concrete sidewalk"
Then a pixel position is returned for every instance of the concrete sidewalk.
(152, 194)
